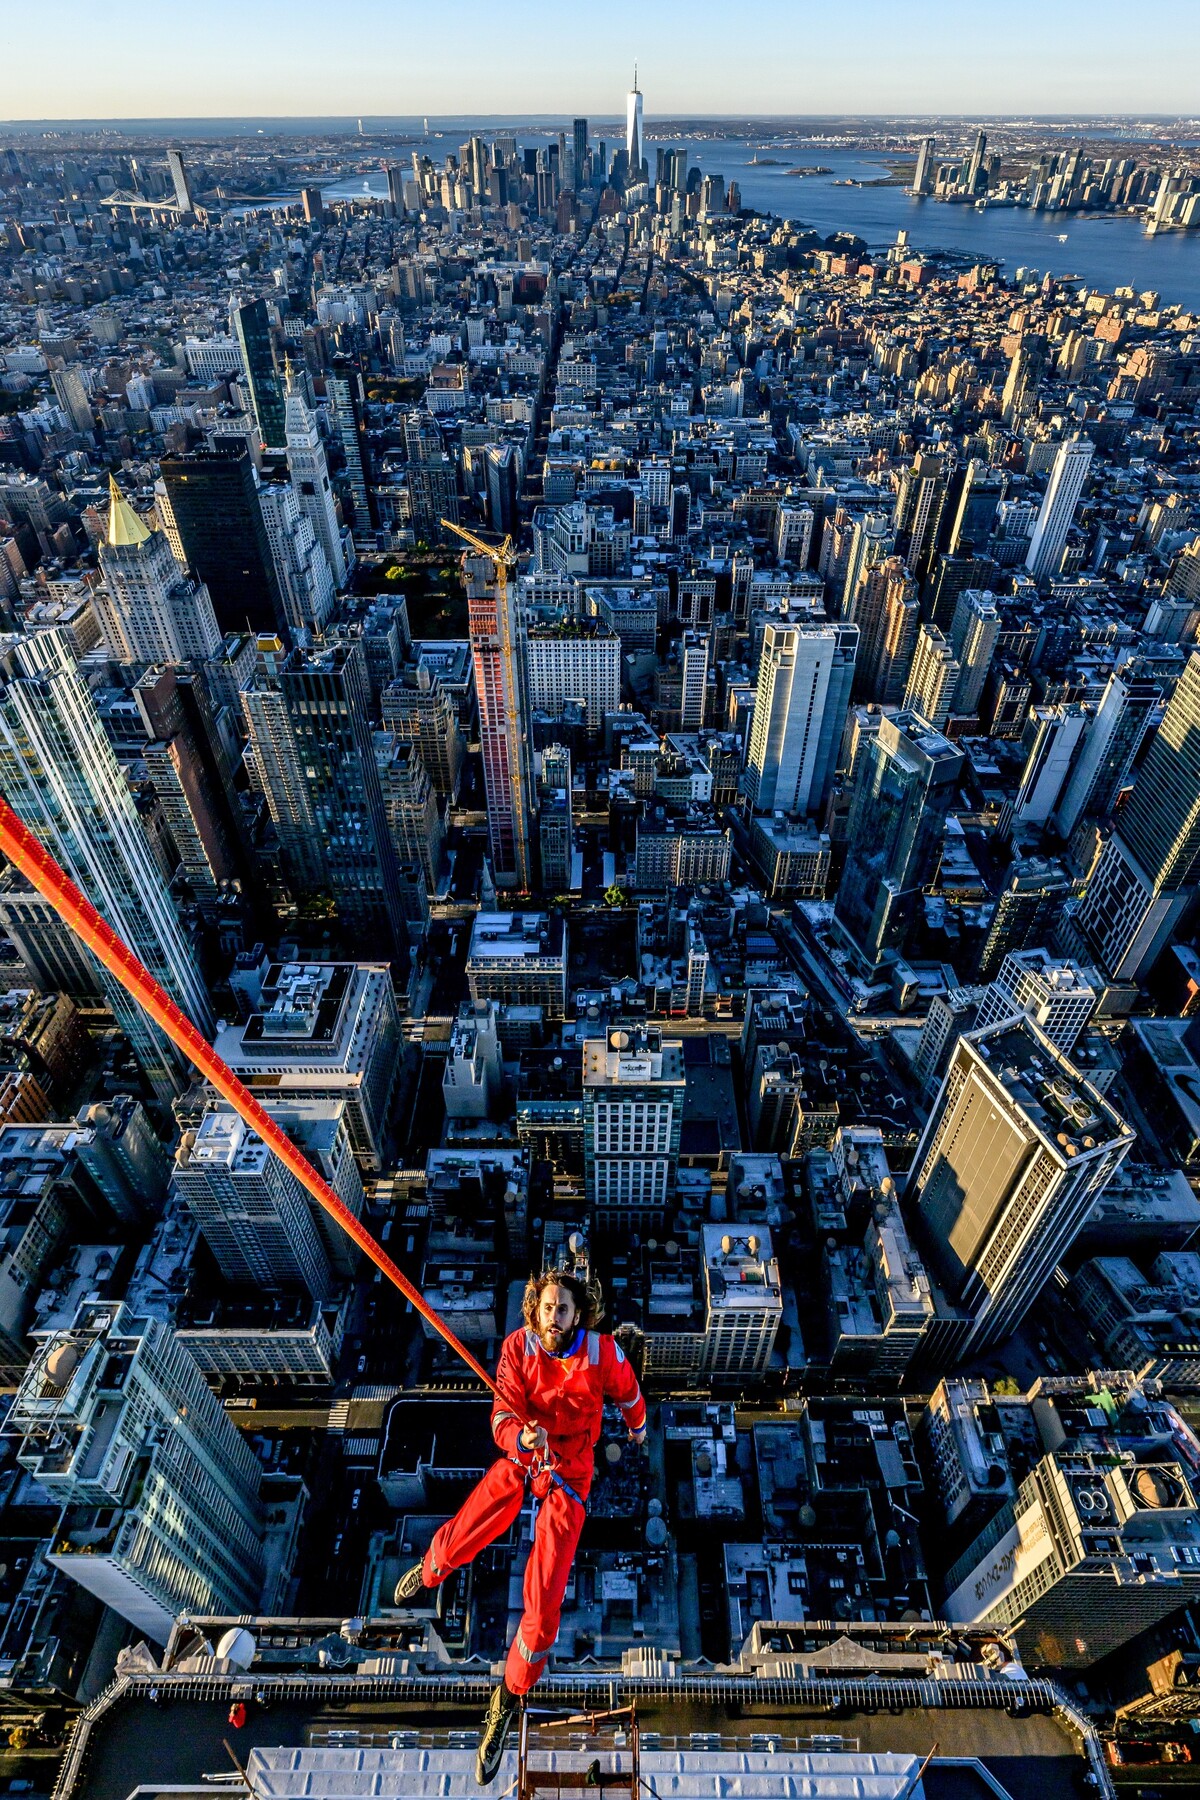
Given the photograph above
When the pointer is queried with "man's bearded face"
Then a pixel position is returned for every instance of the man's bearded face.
(557, 1318)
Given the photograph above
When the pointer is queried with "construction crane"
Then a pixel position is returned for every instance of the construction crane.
(503, 558)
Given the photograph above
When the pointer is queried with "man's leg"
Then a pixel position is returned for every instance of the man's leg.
(488, 1511)
(555, 1537)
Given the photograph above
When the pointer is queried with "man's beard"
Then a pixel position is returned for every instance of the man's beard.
(558, 1341)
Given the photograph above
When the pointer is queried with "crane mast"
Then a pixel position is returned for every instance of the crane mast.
(502, 558)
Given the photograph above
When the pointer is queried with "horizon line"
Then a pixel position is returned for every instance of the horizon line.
(1016, 116)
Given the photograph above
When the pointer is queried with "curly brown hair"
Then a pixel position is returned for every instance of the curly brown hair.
(588, 1303)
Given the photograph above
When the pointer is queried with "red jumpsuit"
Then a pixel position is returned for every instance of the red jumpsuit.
(566, 1395)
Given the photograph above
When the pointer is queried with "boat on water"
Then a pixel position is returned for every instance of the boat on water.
(1062, 237)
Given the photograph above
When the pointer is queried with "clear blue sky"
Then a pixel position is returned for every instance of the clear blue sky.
(211, 58)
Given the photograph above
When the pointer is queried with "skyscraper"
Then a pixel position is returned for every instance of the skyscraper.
(923, 173)
(871, 541)
(179, 180)
(885, 597)
(1053, 736)
(502, 472)
(693, 658)
(301, 569)
(255, 1216)
(1024, 372)
(1113, 739)
(581, 152)
(920, 503)
(1148, 870)
(420, 710)
(57, 961)
(1027, 910)
(309, 471)
(555, 823)
(574, 659)
(59, 773)
(252, 329)
(635, 153)
(312, 757)
(885, 675)
(1057, 996)
(933, 678)
(214, 503)
(633, 1088)
(1057, 510)
(1013, 1156)
(805, 675)
(72, 396)
(411, 807)
(973, 636)
(976, 174)
(344, 388)
(499, 686)
(185, 766)
(982, 491)
(158, 1488)
(743, 1301)
(905, 781)
(151, 610)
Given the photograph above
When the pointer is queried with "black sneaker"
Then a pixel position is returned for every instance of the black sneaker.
(410, 1587)
(502, 1711)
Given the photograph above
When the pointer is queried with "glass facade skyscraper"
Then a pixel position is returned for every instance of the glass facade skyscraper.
(60, 774)
(904, 786)
(252, 328)
(214, 503)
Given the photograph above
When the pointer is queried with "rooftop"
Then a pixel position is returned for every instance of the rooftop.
(1069, 1115)
(630, 1057)
(528, 935)
(696, 1726)
(741, 1269)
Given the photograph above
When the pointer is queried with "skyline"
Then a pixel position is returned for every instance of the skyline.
(799, 62)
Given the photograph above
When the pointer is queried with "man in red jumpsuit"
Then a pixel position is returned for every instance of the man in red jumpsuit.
(555, 1374)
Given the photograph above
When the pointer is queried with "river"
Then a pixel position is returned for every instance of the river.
(1106, 250)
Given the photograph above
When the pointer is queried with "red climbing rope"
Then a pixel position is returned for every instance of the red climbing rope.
(34, 861)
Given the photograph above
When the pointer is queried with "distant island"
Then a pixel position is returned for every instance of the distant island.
(816, 169)
(762, 162)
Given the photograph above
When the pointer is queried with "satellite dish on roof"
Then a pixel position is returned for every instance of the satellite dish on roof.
(656, 1533)
(238, 1646)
